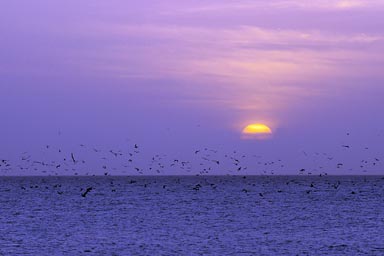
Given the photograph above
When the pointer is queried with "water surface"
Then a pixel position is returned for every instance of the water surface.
(205, 215)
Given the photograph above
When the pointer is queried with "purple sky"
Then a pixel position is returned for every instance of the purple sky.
(175, 76)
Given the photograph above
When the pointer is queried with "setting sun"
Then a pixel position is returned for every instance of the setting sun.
(257, 129)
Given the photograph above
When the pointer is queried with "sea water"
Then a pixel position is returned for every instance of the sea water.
(190, 215)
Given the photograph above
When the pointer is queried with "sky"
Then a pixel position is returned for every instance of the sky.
(175, 77)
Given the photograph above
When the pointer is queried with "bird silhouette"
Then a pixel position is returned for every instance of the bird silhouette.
(73, 158)
(86, 191)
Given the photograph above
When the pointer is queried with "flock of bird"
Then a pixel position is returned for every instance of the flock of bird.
(112, 161)
(204, 161)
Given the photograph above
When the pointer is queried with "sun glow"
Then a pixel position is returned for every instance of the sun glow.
(256, 131)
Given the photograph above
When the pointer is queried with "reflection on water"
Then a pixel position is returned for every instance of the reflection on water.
(214, 215)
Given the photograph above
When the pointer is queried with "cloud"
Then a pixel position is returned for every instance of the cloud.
(241, 53)
(249, 69)
(235, 6)
(223, 60)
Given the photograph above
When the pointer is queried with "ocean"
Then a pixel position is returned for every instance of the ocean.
(192, 215)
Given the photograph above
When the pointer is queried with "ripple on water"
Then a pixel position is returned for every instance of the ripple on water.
(255, 215)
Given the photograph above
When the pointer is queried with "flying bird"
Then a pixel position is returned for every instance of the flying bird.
(73, 158)
(86, 191)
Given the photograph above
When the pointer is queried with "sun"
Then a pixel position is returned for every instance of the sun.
(257, 131)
